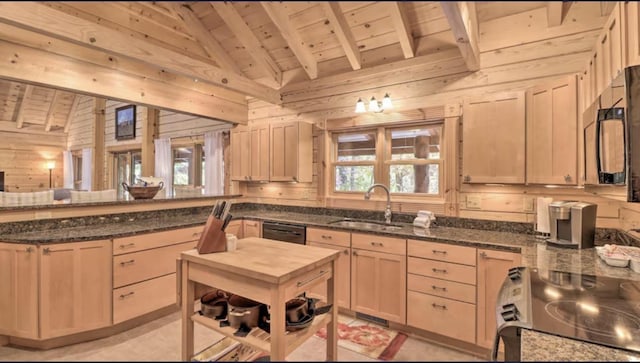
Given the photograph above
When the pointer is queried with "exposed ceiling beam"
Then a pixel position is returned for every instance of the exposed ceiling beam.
(401, 25)
(291, 36)
(462, 19)
(25, 98)
(43, 19)
(72, 113)
(210, 45)
(52, 107)
(245, 35)
(554, 13)
(342, 30)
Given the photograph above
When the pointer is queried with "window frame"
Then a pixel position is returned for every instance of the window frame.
(383, 161)
(196, 169)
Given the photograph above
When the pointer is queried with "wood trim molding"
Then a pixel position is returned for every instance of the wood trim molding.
(291, 36)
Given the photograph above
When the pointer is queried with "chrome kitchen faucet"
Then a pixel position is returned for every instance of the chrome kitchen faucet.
(387, 211)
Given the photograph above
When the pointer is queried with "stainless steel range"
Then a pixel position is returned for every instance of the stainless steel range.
(595, 309)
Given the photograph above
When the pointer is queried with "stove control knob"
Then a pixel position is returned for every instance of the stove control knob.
(514, 274)
(509, 316)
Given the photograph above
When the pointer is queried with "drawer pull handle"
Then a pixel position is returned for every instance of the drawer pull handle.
(377, 244)
(487, 257)
(326, 237)
(434, 287)
(302, 283)
(122, 247)
(196, 234)
(439, 270)
(124, 296)
(437, 251)
(130, 262)
(436, 306)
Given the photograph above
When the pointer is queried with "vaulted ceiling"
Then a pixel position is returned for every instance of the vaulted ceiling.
(238, 49)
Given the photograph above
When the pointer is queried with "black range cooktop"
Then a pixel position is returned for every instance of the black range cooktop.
(595, 309)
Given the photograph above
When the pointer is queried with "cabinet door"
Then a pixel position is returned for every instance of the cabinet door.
(291, 152)
(492, 270)
(493, 139)
(240, 154)
(75, 289)
(259, 153)
(251, 228)
(342, 274)
(379, 284)
(235, 227)
(552, 119)
(18, 290)
(632, 21)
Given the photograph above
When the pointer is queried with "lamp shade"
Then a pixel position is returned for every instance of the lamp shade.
(373, 105)
(51, 164)
(386, 102)
(360, 106)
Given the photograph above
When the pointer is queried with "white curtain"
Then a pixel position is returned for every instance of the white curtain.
(87, 160)
(164, 165)
(213, 162)
(67, 169)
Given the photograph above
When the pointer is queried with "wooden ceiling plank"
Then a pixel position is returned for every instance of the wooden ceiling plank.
(554, 13)
(211, 46)
(291, 36)
(43, 19)
(51, 111)
(245, 35)
(72, 113)
(401, 25)
(342, 30)
(25, 99)
(461, 17)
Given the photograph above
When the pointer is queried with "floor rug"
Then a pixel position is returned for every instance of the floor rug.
(369, 339)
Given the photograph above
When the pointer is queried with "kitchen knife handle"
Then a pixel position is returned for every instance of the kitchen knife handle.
(227, 219)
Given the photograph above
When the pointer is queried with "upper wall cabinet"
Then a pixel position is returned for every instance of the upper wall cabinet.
(552, 137)
(250, 153)
(493, 139)
(631, 16)
(291, 152)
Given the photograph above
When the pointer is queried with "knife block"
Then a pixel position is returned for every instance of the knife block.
(213, 238)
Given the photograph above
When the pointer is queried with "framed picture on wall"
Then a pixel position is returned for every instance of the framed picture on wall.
(126, 122)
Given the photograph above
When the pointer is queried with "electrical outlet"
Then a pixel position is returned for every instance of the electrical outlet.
(473, 201)
(527, 204)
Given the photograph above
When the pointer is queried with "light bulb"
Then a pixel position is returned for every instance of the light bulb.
(360, 106)
(373, 105)
(386, 102)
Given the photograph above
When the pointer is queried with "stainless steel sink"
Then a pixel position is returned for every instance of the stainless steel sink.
(364, 224)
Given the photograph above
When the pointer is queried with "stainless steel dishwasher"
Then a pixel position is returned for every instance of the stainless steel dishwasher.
(287, 232)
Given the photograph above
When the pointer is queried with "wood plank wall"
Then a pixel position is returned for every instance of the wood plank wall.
(506, 65)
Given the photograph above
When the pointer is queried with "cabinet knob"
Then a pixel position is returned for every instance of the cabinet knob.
(295, 179)
(346, 252)
(467, 178)
(46, 251)
(567, 178)
(354, 253)
(249, 177)
(29, 249)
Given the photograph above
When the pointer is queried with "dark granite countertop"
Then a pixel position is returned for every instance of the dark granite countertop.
(535, 252)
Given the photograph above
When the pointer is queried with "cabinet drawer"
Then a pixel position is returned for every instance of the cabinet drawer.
(156, 239)
(144, 265)
(442, 270)
(442, 252)
(451, 318)
(372, 242)
(336, 238)
(144, 297)
(443, 288)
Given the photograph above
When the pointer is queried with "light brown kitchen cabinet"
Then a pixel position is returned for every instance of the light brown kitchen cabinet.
(240, 153)
(75, 287)
(19, 290)
(492, 270)
(236, 228)
(379, 278)
(251, 228)
(144, 270)
(631, 13)
(610, 46)
(552, 120)
(493, 141)
(441, 289)
(291, 152)
(335, 240)
(259, 160)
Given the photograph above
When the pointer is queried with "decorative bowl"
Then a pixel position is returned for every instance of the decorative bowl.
(142, 192)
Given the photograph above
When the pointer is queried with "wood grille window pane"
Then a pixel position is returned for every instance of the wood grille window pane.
(357, 147)
(416, 143)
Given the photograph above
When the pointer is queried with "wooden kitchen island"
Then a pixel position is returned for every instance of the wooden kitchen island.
(268, 271)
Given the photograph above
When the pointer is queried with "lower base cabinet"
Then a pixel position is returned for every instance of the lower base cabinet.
(75, 287)
(455, 319)
(144, 297)
(18, 290)
(343, 274)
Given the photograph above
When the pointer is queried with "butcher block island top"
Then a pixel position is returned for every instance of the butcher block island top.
(267, 271)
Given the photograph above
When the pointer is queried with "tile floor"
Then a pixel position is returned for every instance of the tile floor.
(159, 340)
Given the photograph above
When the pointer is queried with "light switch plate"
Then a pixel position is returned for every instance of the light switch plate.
(527, 204)
(473, 201)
